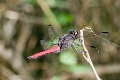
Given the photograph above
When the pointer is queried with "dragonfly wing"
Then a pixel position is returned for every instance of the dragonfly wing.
(95, 40)
(46, 44)
(52, 33)
(77, 46)
(53, 38)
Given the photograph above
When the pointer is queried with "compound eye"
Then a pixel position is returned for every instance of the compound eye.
(71, 32)
(76, 32)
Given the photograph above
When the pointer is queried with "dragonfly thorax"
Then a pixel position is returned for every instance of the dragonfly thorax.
(66, 40)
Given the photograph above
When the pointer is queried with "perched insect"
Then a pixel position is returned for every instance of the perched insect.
(62, 43)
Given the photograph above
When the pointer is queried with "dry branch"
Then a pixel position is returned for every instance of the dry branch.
(86, 53)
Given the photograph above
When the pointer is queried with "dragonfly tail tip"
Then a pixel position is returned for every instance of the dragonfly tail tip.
(29, 57)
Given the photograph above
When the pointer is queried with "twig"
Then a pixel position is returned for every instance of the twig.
(48, 12)
(86, 54)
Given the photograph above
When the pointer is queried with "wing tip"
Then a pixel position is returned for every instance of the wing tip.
(41, 39)
(49, 24)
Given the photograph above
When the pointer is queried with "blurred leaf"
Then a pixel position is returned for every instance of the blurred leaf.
(68, 57)
(80, 69)
(64, 18)
(33, 2)
(56, 3)
(56, 77)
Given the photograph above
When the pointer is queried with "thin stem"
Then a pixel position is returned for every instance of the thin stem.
(48, 12)
(86, 55)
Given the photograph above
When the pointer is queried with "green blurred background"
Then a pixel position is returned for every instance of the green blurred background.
(24, 22)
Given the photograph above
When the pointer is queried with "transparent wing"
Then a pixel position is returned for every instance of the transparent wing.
(102, 34)
(95, 40)
(52, 34)
(53, 38)
(46, 44)
(76, 46)
(70, 55)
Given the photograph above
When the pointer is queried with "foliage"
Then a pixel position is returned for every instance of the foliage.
(24, 22)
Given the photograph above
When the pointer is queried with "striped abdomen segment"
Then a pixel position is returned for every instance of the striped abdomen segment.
(54, 49)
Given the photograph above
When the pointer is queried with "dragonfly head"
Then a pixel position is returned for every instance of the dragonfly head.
(75, 33)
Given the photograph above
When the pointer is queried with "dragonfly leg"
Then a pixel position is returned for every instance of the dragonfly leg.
(77, 44)
(75, 49)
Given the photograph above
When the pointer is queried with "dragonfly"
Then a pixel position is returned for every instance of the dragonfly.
(63, 42)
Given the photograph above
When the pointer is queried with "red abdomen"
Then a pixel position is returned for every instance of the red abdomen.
(54, 49)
